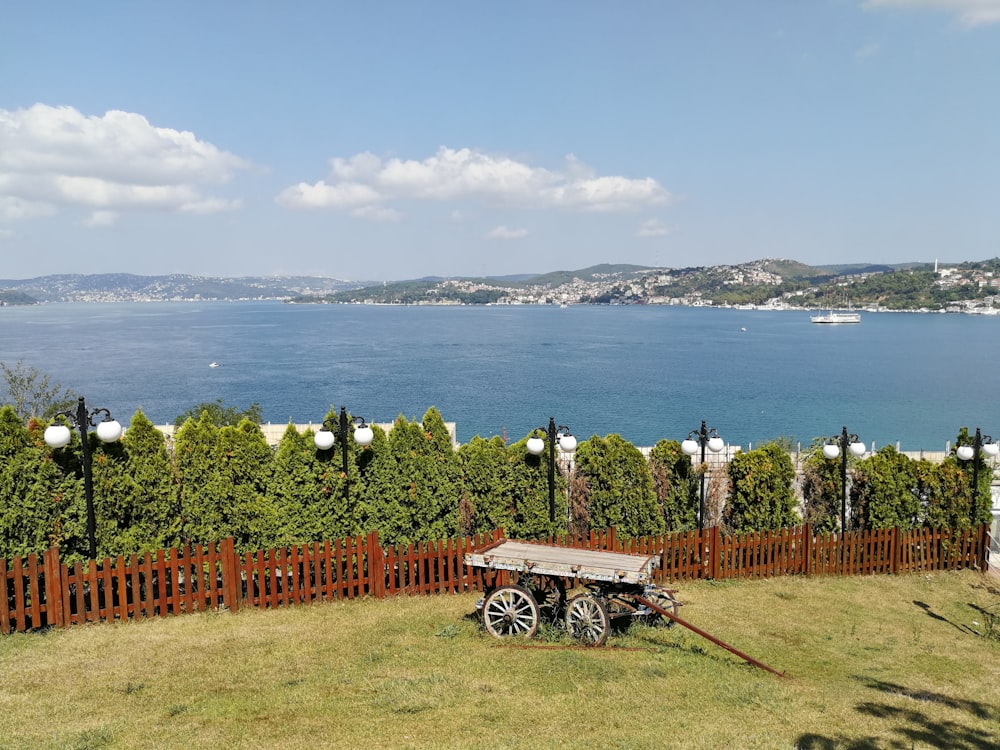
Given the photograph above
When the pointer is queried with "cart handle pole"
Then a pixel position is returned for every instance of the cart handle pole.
(712, 638)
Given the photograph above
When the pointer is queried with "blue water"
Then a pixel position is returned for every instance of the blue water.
(646, 373)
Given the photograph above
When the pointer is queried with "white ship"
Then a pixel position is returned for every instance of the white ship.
(837, 317)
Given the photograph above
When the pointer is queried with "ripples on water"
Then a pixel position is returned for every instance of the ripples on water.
(646, 373)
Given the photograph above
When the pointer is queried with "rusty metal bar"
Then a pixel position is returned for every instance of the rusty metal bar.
(703, 634)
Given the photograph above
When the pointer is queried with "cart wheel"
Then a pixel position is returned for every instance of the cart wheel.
(664, 600)
(549, 592)
(587, 619)
(510, 610)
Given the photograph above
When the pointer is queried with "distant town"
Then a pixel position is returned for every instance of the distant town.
(774, 284)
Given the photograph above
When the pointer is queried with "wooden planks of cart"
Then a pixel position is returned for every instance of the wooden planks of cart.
(583, 589)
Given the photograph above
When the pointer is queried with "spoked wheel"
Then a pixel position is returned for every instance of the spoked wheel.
(587, 619)
(549, 593)
(510, 611)
(662, 599)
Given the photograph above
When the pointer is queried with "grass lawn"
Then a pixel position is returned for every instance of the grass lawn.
(878, 662)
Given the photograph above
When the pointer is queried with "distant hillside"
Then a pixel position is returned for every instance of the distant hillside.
(770, 282)
(16, 298)
(112, 287)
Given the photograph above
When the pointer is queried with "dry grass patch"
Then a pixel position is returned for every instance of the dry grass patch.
(873, 662)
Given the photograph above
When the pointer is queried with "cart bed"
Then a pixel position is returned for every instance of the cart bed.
(565, 562)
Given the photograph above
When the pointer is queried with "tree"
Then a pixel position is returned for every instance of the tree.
(382, 496)
(35, 492)
(947, 496)
(220, 415)
(621, 486)
(676, 485)
(32, 394)
(246, 463)
(416, 481)
(296, 485)
(532, 517)
(979, 471)
(317, 501)
(822, 488)
(884, 492)
(487, 498)
(148, 518)
(200, 490)
(762, 495)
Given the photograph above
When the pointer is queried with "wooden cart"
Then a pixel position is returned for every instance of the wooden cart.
(584, 589)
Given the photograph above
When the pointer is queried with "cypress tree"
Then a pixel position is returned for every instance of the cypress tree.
(676, 485)
(39, 504)
(487, 496)
(295, 487)
(245, 466)
(883, 492)
(149, 519)
(762, 495)
(621, 486)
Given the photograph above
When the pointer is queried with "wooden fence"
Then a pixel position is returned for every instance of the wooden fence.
(40, 592)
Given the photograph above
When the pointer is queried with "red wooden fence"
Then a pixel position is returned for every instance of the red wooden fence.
(39, 592)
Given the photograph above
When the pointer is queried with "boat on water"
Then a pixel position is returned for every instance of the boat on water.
(832, 317)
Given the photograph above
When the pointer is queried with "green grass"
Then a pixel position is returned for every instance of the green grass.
(886, 662)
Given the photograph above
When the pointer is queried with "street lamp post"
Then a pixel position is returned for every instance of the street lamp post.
(536, 445)
(340, 430)
(704, 438)
(840, 445)
(59, 435)
(981, 443)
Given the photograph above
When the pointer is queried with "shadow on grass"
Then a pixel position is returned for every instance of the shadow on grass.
(912, 727)
(931, 613)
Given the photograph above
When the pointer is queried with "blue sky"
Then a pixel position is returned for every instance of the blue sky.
(394, 140)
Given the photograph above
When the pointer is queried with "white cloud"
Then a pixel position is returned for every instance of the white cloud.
(13, 208)
(461, 174)
(652, 228)
(57, 157)
(101, 219)
(970, 12)
(505, 233)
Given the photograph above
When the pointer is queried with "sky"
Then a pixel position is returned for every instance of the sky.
(398, 140)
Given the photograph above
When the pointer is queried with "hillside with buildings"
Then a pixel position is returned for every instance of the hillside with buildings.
(767, 283)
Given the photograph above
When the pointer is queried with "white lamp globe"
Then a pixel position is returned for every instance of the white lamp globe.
(110, 431)
(363, 436)
(831, 450)
(857, 449)
(57, 436)
(324, 440)
(535, 445)
(689, 446)
(965, 452)
(991, 449)
(715, 444)
(567, 443)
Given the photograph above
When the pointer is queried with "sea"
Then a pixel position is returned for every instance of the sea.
(644, 372)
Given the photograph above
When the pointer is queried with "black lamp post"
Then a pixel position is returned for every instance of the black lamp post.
(536, 445)
(980, 444)
(108, 431)
(704, 438)
(340, 430)
(839, 445)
